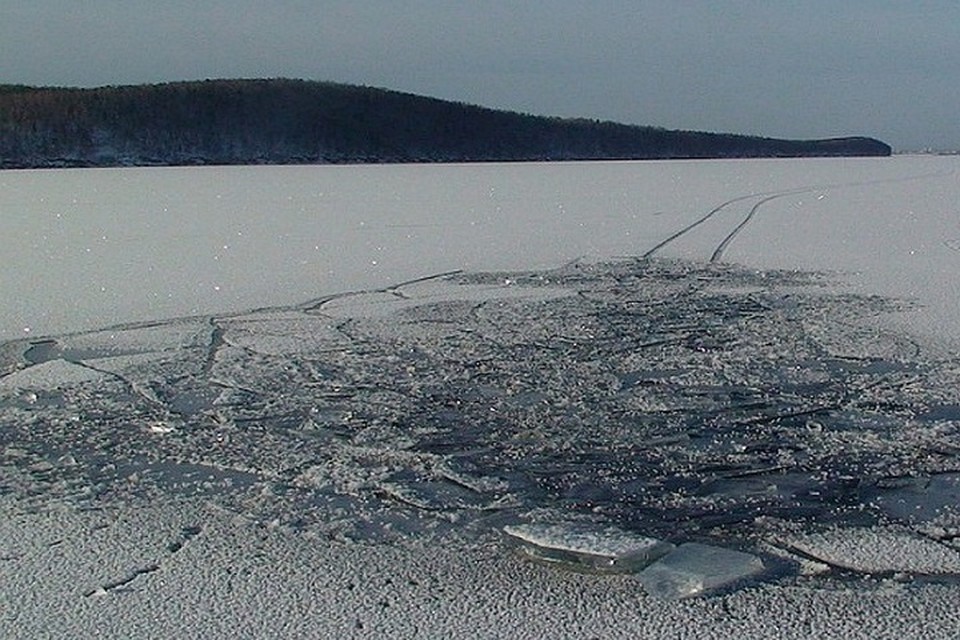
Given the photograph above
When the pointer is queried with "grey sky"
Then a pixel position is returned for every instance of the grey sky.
(778, 68)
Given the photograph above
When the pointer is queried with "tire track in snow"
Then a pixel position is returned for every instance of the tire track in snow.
(696, 223)
(767, 196)
(718, 252)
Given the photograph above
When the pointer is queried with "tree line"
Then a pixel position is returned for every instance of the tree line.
(293, 121)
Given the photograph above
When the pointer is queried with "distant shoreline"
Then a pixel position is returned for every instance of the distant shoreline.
(268, 122)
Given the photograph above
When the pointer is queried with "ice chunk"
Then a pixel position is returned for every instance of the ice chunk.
(693, 568)
(588, 547)
(878, 550)
(52, 374)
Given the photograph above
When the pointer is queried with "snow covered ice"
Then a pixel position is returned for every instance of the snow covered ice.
(143, 244)
(877, 550)
(458, 388)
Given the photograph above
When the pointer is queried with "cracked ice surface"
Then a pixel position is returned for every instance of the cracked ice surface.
(681, 401)
(784, 413)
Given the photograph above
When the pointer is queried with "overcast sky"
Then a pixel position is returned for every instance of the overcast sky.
(781, 68)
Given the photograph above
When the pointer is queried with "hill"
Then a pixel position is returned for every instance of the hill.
(294, 121)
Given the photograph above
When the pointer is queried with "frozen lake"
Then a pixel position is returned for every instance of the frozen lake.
(702, 374)
(88, 248)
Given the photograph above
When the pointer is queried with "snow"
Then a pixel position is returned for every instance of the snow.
(89, 248)
(311, 400)
(179, 569)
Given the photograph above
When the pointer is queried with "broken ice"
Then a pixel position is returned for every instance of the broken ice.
(694, 568)
(878, 550)
(587, 547)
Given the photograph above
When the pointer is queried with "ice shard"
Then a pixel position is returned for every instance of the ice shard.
(588, 547)
(694, 568)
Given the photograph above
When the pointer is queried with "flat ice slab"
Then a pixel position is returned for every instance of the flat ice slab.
(589, 547)
(52, 374)
(694, 568)
(879, 550)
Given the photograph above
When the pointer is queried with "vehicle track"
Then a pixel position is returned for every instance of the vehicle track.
(718, 252)
(696, 223)
(765, 197)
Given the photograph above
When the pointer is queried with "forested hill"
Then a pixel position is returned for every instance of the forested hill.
(292, 121)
